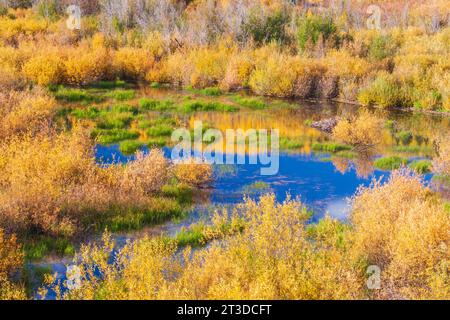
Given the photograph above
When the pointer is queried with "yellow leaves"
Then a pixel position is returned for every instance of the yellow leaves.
(84, 66)
(362, 131)
(209, 66)
(342, 64)
(45, 69)
(274, 77)
(193, 173)
(25, 111)
(11, 260)
(441, 163)
(133, 63)
(26, 26)
(148, 174)
(401, 227)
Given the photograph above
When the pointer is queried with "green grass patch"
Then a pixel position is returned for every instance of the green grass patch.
(127, 219)
(144, 124)
(421, 166)
(160, 130)
(85, 113)
(122, 108)
(182, 193)
(121, 95)
(195, 106)
(407, 149)
(147, 104)
(157, 143)
(108, 85)
(41, 247)
(390, 163)
(256, 187)
(113, 120)
(130, 147)
(193, 236)
(330, 147)
(210, 91)
(106, 137)
(199, 234)
(252, 102)
(75, 95)
(290, 144)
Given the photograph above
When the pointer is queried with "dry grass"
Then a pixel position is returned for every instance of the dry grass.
(193, 173)
(441, 163)
(22, 111)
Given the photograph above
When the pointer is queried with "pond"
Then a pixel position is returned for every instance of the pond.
(312, 167)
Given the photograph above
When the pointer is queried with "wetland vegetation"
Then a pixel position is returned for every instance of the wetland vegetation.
(86, 121)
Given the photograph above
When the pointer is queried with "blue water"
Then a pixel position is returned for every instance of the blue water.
(311, 177)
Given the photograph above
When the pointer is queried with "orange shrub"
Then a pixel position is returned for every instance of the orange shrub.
(44, 69)
(25, 111)
(85, 66)
(132, 63)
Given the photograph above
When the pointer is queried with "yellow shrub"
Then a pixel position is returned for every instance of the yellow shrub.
(362, 131)
(179, 68)
(349, 70)
(44, 69)
(193, 173)
(403, 228)
(275, 77)
(271, 259)
(147, 174)
(11, 79)
(11, 260)
(238, 71)
(209, 66)
(133, 63)
(155, 44)
(85, 66)
(27, 26)
(25, 111)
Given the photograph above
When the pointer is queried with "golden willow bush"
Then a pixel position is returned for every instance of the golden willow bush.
(22, 111)
(441, 163)
(401, 227)
(400, 66)
(271, 259)
(363, 130)
(11, 261)
(201, 176)
(50, 183)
